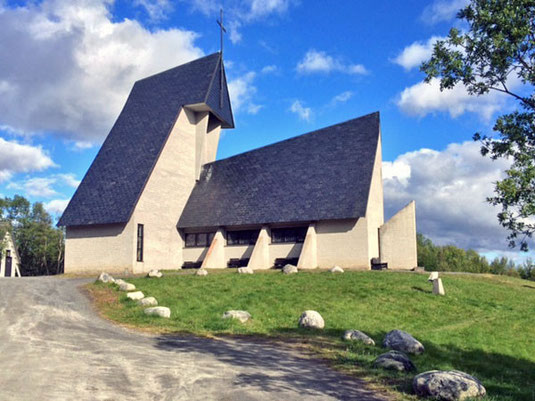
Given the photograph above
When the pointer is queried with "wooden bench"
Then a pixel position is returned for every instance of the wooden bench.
(191, 265)
(281, 262)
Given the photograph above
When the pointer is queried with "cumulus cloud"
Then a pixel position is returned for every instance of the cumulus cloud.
(425, 98)
(239, 13)
(21, 158)
(442, 10)
(242, 91)
(156, 9)
(268, 69)
(316, 61)
(341, 98)
(56, 206)
(450, 188)
(44, 187)
(67, 66)
(416, 53)
(304, 113)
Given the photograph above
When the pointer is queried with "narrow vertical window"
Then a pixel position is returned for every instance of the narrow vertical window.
(140, 242)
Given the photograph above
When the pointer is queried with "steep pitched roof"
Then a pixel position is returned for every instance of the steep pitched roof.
(110, 189)
(321, 175)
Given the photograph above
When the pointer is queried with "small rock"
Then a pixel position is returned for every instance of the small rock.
(356, 335)
(201, 272)
(124, 286)
(137, 295)
(336, 269)
(149, 301)
(448, 385)
(394, 360)
(241, 315)
(311, 320)
(402, 341)
(161, 311)
(106, 278)
(289, 269)
(119, 281)
(154, 273)
(245, 270)
(438, 288)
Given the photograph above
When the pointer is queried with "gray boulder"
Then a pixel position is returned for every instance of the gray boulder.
(311, 320)
(149, 301)
(154, 274)
(448, 385)
(124, 286)
(245, 270)
(201, 272)
(106, 278)
(160, 311)
(289, 269)
(394, 360)
(356, 335)
(135, 296)
(336, 269)
(241, 315)
(402, 341)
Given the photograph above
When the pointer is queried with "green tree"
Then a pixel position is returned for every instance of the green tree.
(497, 53)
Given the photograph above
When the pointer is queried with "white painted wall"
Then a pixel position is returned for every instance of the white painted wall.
(9, 245)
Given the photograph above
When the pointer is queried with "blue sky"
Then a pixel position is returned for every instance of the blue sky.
(293, 67)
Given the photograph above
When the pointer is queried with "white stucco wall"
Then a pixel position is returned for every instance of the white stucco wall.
(398, 239)
(375, 209)
(9, 245)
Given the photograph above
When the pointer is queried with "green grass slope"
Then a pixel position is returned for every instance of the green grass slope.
(485, 325)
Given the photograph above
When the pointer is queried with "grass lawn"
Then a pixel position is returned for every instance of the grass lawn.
(484, 325)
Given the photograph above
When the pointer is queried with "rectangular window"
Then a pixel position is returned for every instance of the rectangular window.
(243, 237)
(199, 239)
(139, 252)
(288, 235)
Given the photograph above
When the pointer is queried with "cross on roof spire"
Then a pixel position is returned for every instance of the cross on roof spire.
(223, 31)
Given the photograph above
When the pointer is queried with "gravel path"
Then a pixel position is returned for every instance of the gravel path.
(53, 346)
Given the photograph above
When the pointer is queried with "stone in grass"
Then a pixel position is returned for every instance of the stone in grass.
(106, 278)
(154, 274)
(336, 269)
(160, 311)
(241, 315)
(124, 286)
(119, 281)
(201, 272)
(135, 296)
(245, 270)
(356, 335)
(289, 269)
(402, 341)
(149, 301)
(394, 360)
(448, 385)
(311, 320)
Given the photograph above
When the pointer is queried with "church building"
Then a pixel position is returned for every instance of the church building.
(155, 196)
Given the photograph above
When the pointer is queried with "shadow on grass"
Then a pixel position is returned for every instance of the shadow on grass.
(270, 367)
(420, 289)
(529, 286)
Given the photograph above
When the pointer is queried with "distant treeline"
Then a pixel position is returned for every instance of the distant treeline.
(40, 244)
(449, 258)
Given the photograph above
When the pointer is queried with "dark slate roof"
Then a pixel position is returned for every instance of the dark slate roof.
(111, 187)
(322, 175)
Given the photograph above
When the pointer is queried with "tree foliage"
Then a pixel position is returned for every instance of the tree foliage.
(39, 243)
(497, 53)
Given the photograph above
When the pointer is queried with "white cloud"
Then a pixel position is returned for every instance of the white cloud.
(442, 10)
(56, 206)
(69, 179)
(316, 61)
(20, 158)
(242, 91)
(36, 187)
(450, 188)
(268, 69)
(425, 98)
(156, 9)
(415, 54)
(342, 97)
(69, 70)
(304, 113)
(239, 13)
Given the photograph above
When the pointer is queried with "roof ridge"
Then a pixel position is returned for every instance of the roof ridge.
(375, 113)
(219, 61)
